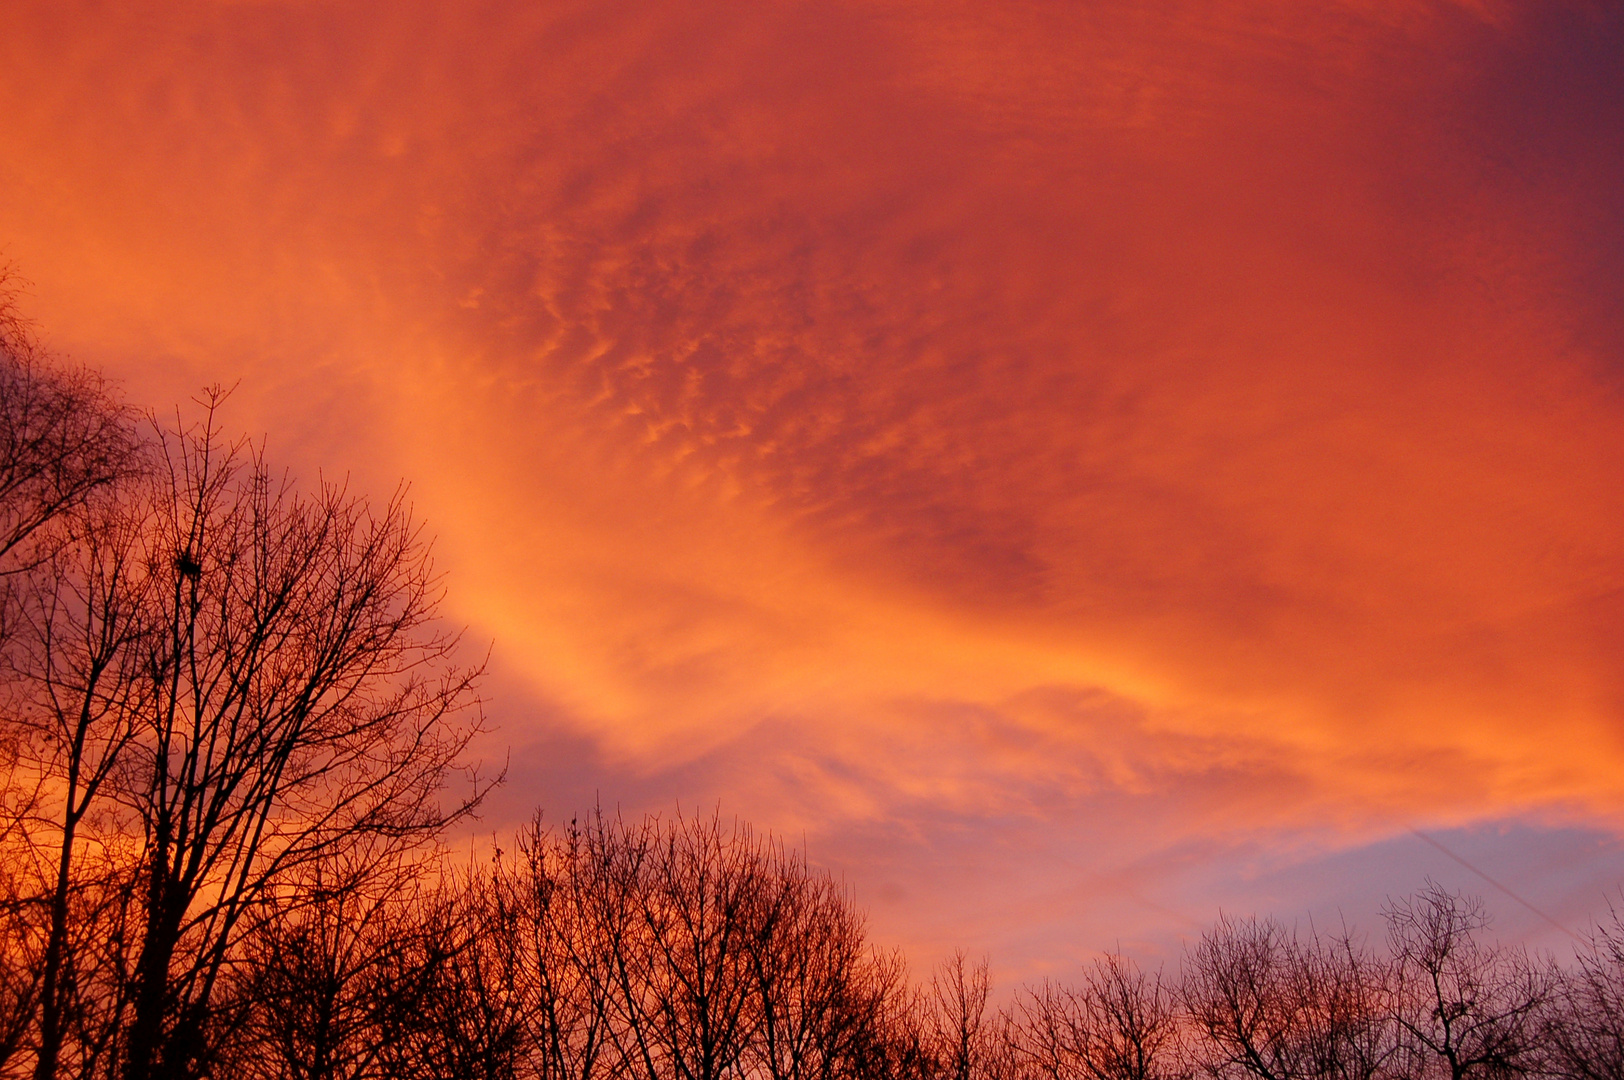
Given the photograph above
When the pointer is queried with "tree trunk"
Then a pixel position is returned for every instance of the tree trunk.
(147, 1056)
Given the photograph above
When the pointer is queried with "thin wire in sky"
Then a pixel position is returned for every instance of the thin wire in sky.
(1497, 885)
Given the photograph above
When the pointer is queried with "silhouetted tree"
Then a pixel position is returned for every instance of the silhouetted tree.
(1234, 990)
(684, 982)
(965, 1038)
(819, 989)
(665, 949)
(1463, 1007)
(1272, 1005)
(212, 683)
(469, 1024)
(331, 980)
(1584, 1025)
(1120, 1024)
(565, 904)
(299, 698)
(65, 442)
(63, 436)
(81, 634)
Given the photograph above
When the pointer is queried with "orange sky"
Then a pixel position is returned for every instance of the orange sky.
(1079, 465)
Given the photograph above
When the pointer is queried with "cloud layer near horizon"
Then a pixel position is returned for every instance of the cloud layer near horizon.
(1199, 419)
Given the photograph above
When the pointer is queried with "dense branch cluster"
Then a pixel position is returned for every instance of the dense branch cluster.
(234, 733)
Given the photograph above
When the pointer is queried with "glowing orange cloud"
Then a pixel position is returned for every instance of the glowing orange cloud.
(1201, 419)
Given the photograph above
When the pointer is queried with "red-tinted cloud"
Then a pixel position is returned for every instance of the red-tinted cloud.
(884, 416)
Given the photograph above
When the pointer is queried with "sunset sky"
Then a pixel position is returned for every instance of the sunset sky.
(1075, 466)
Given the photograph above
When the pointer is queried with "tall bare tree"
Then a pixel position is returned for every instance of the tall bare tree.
(470, 1024)
(1463, 1006)
(299, 696)
(65, 443)
(82, 632)
(679, 948)
(683, 974)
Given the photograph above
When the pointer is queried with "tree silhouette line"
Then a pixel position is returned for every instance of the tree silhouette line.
(235, 735)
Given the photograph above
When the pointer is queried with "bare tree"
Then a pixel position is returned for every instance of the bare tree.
(65, 443)
(298, 698)
(1465, 1007)
(332, 978)
(22, 933)
(470, 1023)
(683, 975)
(1345, 1004)
(820, 990)
(1584, 1026)
(680, 948)
(1121, 1024)
(80, 635)
(62, 435)
(893, 1042)
(1271, 1005)
(967, 1039)
(1234, 991)
(566, 903)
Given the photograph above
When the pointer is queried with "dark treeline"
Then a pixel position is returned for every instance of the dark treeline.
(235, 738)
